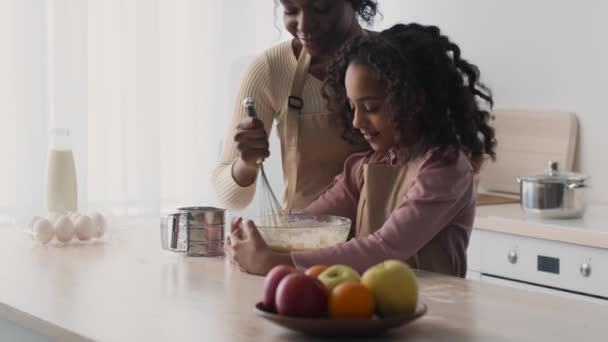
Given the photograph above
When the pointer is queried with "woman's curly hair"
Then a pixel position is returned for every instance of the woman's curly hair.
(366, 10)
(432, 92)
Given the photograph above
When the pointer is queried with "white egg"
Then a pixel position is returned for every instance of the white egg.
(33, 221)
(52, 217)
(84, 228)
(43, 231)
(64, 229)
(73, 216)
(99, 222)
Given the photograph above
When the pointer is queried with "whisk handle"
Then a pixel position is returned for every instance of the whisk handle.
(248, 104)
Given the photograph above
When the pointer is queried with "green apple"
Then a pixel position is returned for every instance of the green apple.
(337, 274)
(394, 286)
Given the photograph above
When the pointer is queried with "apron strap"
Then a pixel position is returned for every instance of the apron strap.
(295, 102)
(294, 107)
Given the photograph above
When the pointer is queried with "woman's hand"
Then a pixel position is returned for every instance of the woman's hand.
(251, 141)
(252, 144)
(247, 249)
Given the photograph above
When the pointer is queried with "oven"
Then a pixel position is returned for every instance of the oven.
(557, 268)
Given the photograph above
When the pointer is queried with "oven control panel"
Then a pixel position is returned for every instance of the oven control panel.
(569, 267)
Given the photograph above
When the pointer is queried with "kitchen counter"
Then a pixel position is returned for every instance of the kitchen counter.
(591, 230)
(128, 289)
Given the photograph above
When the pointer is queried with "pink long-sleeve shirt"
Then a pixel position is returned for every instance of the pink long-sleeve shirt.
(440, 204)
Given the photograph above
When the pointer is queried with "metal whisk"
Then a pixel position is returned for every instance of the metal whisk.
(271, 211)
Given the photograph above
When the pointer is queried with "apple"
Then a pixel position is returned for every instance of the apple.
(394, 286)
(337, 274)
(301, 296)
(271, 282)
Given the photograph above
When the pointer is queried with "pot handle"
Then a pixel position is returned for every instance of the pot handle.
(573, 186)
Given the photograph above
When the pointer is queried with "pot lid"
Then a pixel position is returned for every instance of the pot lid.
(552, 175)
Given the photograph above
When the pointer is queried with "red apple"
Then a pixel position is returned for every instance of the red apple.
(301, 295)
(271, 282)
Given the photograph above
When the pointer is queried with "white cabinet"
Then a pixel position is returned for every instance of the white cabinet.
(473, 256)
(10, 331)
(540, 289)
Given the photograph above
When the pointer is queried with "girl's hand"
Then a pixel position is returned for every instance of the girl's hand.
(248, 250)
(252, 141)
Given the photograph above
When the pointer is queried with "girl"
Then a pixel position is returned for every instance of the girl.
(407, 92)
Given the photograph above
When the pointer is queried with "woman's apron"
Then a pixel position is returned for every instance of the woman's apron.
(384, 188)
(313, 149)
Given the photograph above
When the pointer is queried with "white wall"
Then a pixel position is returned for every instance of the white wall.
(539, 54)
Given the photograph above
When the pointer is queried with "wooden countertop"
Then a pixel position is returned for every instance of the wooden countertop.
(128, 289)
(590, 230)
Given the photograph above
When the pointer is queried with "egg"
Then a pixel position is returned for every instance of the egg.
(30, 227)
(73, 216)
(43, 231)
(84, 228)
(52, 217)
(64, 229)
(99, 222)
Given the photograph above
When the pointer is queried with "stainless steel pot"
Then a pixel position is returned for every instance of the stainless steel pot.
(553, 194)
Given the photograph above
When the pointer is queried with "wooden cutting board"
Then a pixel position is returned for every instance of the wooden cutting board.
(527, 140)
(494, 198)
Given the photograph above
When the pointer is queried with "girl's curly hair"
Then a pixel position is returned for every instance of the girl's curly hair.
(432, 92)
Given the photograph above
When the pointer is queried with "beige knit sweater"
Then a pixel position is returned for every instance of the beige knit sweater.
(268, 81)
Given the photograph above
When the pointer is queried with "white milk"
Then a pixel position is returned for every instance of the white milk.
(61, 190)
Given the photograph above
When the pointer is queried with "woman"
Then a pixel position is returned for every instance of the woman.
(285, 83)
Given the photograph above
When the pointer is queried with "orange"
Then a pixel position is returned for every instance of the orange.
(314, 271)
(351, 300)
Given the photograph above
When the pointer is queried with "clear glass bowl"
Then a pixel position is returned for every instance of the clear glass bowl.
(303, 232)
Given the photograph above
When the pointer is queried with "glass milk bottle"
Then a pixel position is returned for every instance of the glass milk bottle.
(61, 190)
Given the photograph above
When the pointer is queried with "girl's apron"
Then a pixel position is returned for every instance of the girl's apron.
(383, 189)
(313, 149)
